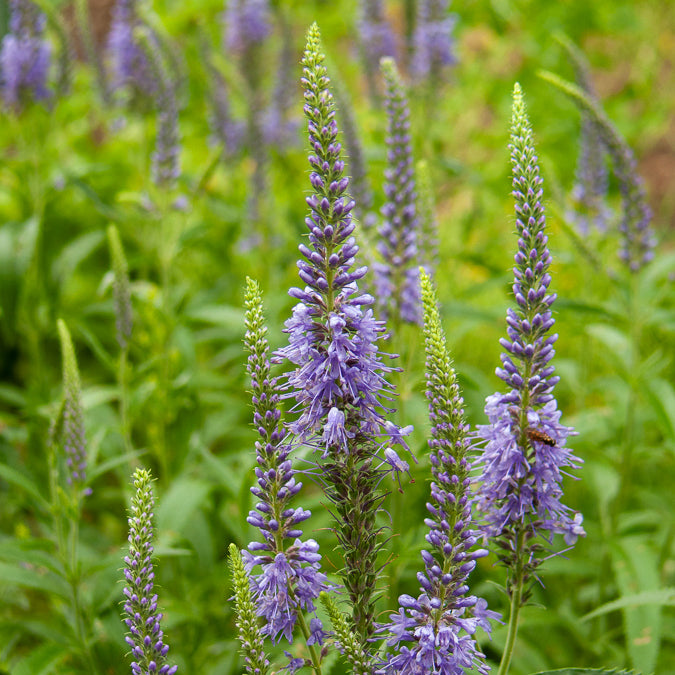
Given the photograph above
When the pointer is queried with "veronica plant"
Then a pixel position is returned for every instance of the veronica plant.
(433, 47)
(250, 633)
(589, 193)
(339, 378)
(290, 580)
(73, 440)
(433, 633)
(376, 40)
(247, 27)
(428, 225)
(141, 615)
(638, 243)
(25, 56)
(166, 156)
(130, 70)
(523, 462)
(358, 172)
(396, 277)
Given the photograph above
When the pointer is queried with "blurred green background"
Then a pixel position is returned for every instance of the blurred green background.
(70, 169)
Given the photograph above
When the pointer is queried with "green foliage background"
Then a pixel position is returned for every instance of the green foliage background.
(69, 172)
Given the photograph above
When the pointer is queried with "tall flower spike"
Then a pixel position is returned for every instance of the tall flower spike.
(166, 157)
(73, 439)
(638, 237)
(250, 634)
(25, 56)
(279, 129)
(128, 61)
(146, 637)
(433, 633)
(339, 382)
(358, 173)
(428, 229)
(121, 291)
(376, 39)
(291, 579)
(433, 47)
(525, 456)
(589, 193)
(396, 278)
(247, 26)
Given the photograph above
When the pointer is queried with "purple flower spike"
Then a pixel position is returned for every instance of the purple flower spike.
(246, 24)
(291, 579)
(376, 35)
(127, 58)
(339, 382)
(396, 279)
(433, 43)
(525, 456)
(25, 56)
(434, 633)
(142, 617)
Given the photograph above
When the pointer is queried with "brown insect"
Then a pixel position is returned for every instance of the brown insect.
(540, 436)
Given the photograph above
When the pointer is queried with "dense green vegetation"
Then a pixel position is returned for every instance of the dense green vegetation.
(176, 400)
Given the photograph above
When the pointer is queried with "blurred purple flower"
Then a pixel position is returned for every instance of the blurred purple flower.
(375, 34)
(247, 24)
(128, 60)
(433, 44)
(25, 56)
(396, 278)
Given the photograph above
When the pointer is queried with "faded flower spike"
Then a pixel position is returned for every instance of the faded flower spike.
(433, 42)
(25, 56)
(592, 181)
(638, 237)
(375, 36)
(166, 157)
(73, 438)
(339, 382)
(140, 607)
(247, 24)
(396, 278)
(521, 482)
(128, 60)
(291, 579)
(250, 633)
(121, 291)
(434, 633)
(428, 229)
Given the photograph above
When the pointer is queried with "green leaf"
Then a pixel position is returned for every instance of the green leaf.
(617, 343)
(636, 571)
(41, 661)
(587, 671)
(74, 253)
(661, 395)
(662, 596)
(32, 577)
(177, 506)
(17, 478)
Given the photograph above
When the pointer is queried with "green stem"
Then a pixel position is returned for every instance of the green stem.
(513, 630)
(124, 400)
(316, 661)
(516, 602)
(633, 312)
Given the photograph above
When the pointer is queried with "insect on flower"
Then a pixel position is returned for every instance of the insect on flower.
(540, 436)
